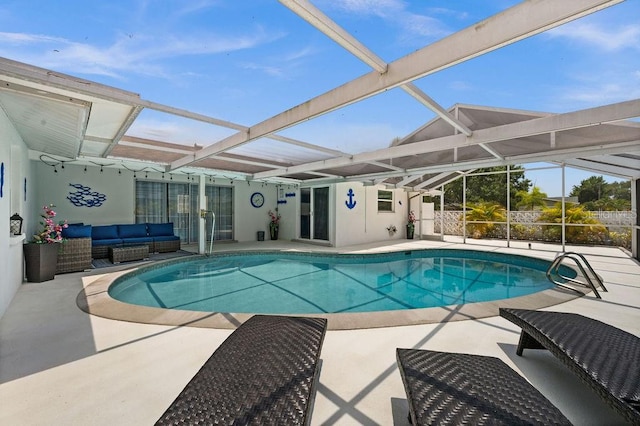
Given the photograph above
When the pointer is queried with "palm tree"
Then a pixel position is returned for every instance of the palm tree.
(574, 214)
(484, 212)
(530, 200)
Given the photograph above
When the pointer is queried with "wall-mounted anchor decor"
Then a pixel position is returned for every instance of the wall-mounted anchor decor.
(350, 203)
(290, 194)
(282, 201)
(84, 197)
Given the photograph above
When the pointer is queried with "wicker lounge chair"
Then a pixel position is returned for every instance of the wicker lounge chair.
(603, 356)
(263, 373)
(452, 389)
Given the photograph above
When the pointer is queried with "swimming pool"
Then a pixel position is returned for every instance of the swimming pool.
(314, 283)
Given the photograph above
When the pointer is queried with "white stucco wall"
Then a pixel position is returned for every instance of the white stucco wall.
(249, 220)
(363, 223)
(53, 188)
(13, 154)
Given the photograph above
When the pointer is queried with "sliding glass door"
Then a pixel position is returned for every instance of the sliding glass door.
(158, 202)
(314, 213)
(220, 202)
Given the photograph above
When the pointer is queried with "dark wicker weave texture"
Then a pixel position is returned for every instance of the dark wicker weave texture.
(166, 246)
(454, 389)
(127, 253)
(74, 255)
(603, 356)
(262, 374)
(99, 252)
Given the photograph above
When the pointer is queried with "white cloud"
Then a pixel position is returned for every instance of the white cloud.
(193, 6)
(460, 85)
(267, 69)
(608, 39)
(396, 13)
(603, 89)
(423, 25)
(135, 53)
(381, 8)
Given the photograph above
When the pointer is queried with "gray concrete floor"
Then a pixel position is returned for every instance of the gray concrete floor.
(59, 365)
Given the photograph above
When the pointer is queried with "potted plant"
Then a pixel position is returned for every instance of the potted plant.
(274, 224)
(411, 225)
(41, 253)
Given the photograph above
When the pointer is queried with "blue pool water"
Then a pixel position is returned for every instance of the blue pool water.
(296, 283)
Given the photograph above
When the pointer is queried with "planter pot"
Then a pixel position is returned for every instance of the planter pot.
(410, 230)
(40, 261)
(273, 230)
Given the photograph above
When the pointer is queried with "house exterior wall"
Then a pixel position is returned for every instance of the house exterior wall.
(14, 157)
(54, 188)
(363, 223)
(119, 205)
(249, 220)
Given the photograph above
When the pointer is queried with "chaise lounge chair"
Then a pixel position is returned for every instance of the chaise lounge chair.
(452, 389)
(263, 373)
(604, 357)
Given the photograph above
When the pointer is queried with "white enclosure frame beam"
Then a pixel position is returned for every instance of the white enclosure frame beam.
(523, 20)
(322, 22)
(572, 120)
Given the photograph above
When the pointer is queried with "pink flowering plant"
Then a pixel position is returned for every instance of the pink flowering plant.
(275, 219)
(412, 219)
(51, 231)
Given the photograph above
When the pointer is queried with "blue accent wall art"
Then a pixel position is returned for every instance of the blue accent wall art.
(350, 203)
(2, 180)
(84, 197)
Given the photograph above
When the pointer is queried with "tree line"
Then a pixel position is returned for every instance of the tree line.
(488, 185)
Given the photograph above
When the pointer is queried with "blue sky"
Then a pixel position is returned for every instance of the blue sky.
(245, 61)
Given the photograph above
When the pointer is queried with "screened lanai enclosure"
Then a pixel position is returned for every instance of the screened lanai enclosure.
(475, 211)
(63, 119)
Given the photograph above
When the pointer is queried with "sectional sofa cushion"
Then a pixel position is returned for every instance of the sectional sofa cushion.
(160, 229)
(105, 232)
(137, 240)
(134, 230)
(107, 242)
(166, 238)
(77, 231)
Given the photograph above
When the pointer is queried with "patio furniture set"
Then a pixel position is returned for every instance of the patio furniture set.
(266, 371)
(120, 243)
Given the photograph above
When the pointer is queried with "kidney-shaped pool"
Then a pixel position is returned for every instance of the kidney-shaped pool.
(303, 283)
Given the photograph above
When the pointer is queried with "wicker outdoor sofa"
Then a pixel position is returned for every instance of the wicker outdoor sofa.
(74, 255)
(604, 357)
(82, 243)
(462, 389)
(264, 373)
(159, 237)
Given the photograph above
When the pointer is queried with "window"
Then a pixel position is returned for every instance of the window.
(385, 201)
(159, 202)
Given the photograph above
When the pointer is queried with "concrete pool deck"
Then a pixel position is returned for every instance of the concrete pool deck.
(59, 365)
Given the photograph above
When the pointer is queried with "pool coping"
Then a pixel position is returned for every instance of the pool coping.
(94, 299)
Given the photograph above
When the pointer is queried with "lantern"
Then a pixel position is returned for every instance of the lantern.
(16, 224)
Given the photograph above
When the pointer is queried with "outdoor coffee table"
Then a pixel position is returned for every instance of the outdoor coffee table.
(127, 253)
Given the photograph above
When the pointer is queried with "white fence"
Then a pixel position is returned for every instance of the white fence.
(453, 219)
